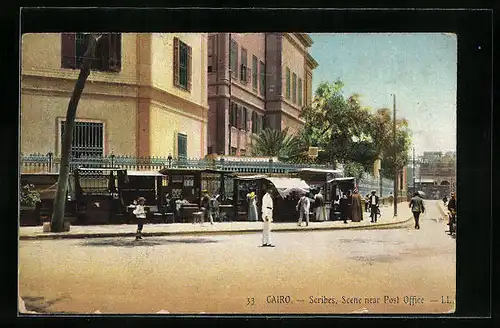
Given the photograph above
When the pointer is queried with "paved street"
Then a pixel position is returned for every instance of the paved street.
(232, 274)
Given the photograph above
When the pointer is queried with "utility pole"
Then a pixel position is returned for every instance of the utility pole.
(230, 89)
(394, 157)
(413, 170)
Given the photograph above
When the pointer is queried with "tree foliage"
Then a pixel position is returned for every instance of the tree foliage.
(354, 169)
(346, 132)
(332, 121)
(287, 147)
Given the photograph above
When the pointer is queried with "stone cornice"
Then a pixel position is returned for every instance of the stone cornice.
(311, 62)
(305, 39)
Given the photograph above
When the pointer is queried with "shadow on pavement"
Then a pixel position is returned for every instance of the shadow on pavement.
(40, 304)
(376, 258)
(146, 241)
(361, 241)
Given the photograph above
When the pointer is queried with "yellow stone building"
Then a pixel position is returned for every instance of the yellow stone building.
(146, 94)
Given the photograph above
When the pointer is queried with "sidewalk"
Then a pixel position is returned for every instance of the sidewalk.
(128, 230)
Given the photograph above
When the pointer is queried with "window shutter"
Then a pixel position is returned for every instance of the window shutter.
(68, 51)
(115, 52)
(176, 62)
(189, 70)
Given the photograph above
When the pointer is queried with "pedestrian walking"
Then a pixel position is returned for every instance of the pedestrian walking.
(303, 206)
(417, 207)
(374, 204)
(357, 207)
(215, 208)
(205, 206)
(267, 217)
(343, 207)
(367, 203)
(452, 208)
(252, 206)
(140, 214)
(391, 198)
(320, 209)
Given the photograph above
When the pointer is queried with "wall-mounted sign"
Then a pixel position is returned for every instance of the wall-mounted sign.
(177, 178)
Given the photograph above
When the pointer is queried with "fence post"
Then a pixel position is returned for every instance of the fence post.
(50, 154)
(112, 160)
(270, 165)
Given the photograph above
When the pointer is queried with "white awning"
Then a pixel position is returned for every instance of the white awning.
(320, 171)
(250, 177)
(341, 179)
(144, 173)
(286, 184)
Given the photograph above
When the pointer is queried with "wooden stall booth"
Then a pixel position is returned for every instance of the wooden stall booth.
(290, 189)
(184, 188)
(147, 184)
(242, 186)
(45, 183)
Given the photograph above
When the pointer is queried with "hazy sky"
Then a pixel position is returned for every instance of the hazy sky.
(420, 68)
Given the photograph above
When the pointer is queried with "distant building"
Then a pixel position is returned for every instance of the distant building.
(436, 169)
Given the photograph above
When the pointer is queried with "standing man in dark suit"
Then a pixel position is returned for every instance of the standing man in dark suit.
(374, 202)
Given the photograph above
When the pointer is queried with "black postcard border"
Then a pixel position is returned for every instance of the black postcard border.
(474, 113)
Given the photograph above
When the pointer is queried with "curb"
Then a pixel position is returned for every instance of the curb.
(224, 232)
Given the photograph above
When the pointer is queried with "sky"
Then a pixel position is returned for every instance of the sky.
(420, 68)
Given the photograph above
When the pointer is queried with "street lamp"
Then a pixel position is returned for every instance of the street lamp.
(394, 157)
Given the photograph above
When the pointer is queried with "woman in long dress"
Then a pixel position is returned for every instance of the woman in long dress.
(252, 206)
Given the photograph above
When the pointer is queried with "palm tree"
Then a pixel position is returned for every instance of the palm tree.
(271, 142)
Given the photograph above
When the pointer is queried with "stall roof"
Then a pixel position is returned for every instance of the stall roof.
(283, 184)
(250, 177)
(144, 173)
(39, 173)
(190, 171)
(341, 179)
(312, 170)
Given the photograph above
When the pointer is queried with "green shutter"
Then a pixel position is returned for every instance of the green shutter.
(287, 83)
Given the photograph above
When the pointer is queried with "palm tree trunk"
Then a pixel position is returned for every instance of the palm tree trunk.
(67, 138)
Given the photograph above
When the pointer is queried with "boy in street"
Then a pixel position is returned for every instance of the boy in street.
(140, 214)
(206, 208)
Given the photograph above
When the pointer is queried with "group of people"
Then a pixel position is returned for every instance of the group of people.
(304, 207)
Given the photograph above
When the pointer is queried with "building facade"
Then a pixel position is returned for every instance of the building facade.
(146, 94)
(255, 81)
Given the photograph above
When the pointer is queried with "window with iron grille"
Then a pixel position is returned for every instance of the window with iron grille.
(243, 69)
(107, 56)
(294, 87)
(88, 139)
(181, 146)
(287, 83)
(233, 58)
(300, 92)
(233, 151)
(182, 65)
(255, 81)
(262, 79)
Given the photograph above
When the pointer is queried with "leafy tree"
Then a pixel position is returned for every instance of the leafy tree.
(353, 169)
(397, 158)
(332, 121)
(271, 142)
